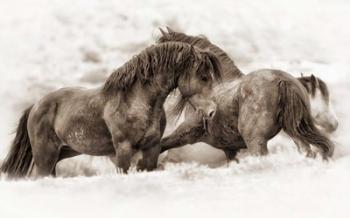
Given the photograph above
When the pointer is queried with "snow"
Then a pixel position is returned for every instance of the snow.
(45, 45)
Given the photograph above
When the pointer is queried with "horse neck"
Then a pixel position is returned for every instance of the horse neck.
(168, 87)
(158, 76)
(165, 84)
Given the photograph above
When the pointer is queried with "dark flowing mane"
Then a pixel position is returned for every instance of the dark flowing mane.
(230, 70)
(311, 83)
(173, 57)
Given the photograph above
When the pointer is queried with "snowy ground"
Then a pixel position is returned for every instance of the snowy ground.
(45, 45)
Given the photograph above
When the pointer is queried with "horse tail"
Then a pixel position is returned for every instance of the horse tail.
(18, 161)
(295, 118)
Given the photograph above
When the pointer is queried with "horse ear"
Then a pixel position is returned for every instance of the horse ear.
(215, 65)
(301, 75)
(170, 30)
(314, 80)
(162, 31)
(192, 48)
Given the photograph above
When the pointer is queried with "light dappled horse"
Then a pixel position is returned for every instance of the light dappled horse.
(224, 129)
(123, 116)
(252, 110)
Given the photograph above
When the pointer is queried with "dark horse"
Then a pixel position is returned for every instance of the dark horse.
(253, 108)
(122, 117)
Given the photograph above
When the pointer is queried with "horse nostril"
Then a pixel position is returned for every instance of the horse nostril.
(335, 126)
(211, 114)
(332, 127)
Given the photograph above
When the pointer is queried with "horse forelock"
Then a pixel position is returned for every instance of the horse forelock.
(208, 64)
(230, 70)
(173, 57)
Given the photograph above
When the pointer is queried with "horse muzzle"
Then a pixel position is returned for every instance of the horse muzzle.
(208, 116)
(208, 112)
(330, 128)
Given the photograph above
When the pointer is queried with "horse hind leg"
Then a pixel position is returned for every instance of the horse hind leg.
(257, 146)
(257, 127)
(46, 151)
(256, 137)
(45, 158)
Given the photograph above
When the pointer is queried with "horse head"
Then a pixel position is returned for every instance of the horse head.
(196, 85)
(321, 106)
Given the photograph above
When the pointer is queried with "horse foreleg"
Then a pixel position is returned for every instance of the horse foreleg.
(188, 132)
(149, 159)
(124, 153)
(231, 154)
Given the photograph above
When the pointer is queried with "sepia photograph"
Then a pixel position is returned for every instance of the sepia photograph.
(176, 109)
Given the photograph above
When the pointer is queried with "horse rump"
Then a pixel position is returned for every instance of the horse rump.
(18, 161)
(295, 118)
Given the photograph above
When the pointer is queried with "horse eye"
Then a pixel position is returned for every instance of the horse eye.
(205, 78)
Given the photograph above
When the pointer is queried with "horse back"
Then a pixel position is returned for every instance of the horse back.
(265, 81)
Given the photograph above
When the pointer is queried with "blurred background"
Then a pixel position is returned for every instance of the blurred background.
(46, 45)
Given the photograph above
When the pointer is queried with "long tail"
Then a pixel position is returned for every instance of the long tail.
(18, 160)
(296, 120)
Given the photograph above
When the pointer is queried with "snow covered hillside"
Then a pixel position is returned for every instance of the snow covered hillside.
(45, 45)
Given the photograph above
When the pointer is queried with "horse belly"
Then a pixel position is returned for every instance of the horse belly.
(87, 137)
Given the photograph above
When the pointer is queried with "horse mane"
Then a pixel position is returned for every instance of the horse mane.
(311, 83)
(171, 57)
(230, 70)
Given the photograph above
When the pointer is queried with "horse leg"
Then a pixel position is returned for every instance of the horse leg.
(257, 124)
(123, 154)
(304, 148)
(149, 159)
(150, 149)
(189, 132)
(45, 156)
(257, 146)
(255, 136)
(150, 144)
(231, 154)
